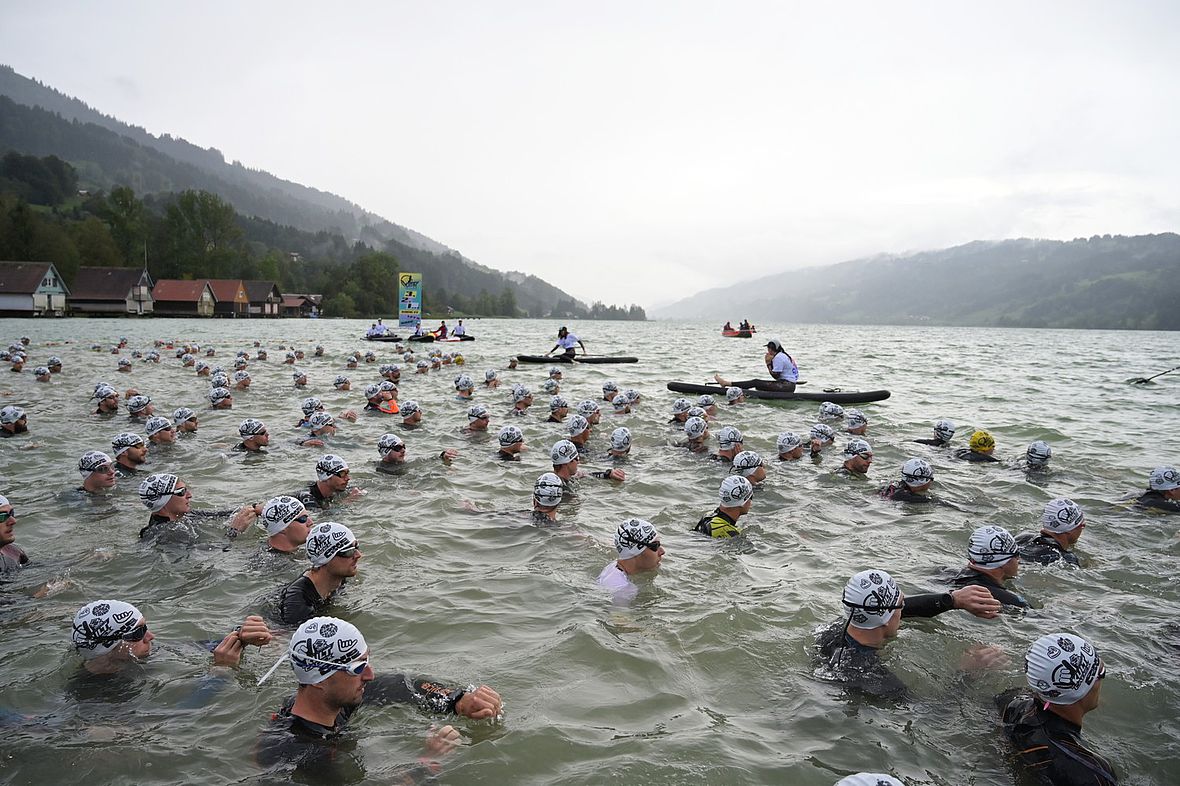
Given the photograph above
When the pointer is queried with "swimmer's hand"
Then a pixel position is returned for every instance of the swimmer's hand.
(244, 517)
(481, 703)
(229, 651)
(616, 474)
(442, 741)
(349, 415)
(354, 492)
(312, 443)
(255, 632)
(449, 455)
(983, 657)
(976, 600)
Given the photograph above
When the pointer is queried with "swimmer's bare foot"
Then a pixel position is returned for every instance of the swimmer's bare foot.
(722, 382)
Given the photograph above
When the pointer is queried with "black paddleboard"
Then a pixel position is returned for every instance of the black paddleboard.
(836, 397)
(577, 359)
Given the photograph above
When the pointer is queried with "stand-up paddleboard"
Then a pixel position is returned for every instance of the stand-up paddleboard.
(383, 338)
(576, 359)
(836, 397)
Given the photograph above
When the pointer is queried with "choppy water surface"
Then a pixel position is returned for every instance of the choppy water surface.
(707, 677)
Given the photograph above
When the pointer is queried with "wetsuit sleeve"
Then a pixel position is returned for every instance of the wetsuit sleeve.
(295, 607)
(603, 474)
(928, 605)
(401, 689)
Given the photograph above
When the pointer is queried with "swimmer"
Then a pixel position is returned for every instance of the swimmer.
(697, 431)
(944, 432)
(330, 659)
(254, 436)
(736, 496)
(335, 555)
(1163, 491)
(707, 403)
(160, 430)
(12, 556)
(411, 413)
(729, 444)
(547, 494)
(392, 450)
(992, 558)
(309, 406)
(590, 410)
(124, 366)
(242, 380)
(555, 373)
(221, 398)
(620, 442)
(1037, 456)
(13, 420)
(522, 399)
(565, 457)
(639, 550)
(108, 399)
(287, 523)
(170, 502)
(858, 457)
(735, 396)
(917, 476)
(330, 485)
(578, 432)
(609, 391)
(621, 404)
(111, 635)
(351, 362)
(300, 378)
(511, 441)
(789, 446)
(478, 418)
(831, 411)
(875, 604)
(203, 369)
(512, 364)
(856, 422)
(1044, 722)
(464, 387)
(980, 448)
(54, 364)
(185, 420)
(1062, 524)
(821, 436)
(342, 382)
(130, 453)
(680, 408)
(558, 409)
(42, 374)
(491, 379)
(98, 472)
(380, 401)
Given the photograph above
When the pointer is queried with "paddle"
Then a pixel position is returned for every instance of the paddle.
(1142, 381)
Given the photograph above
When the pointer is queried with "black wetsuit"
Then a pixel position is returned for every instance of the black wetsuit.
(1042, 549)
(1048, 747)
(859, 666)
(934, 441)
(123, 472)
(161, 528)
(507, 456)
(241, 448)
(1155, 500)
(312, 496)
(385, 468)
(967, 454)
(968, 578)
(299, 601)
(323, 754)
(898, 491)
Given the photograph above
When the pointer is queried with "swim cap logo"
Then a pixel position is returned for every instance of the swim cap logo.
(122, 617)
(344, 645)
(101, 610)
(1065, 644)
(328, 630)
(875, 578)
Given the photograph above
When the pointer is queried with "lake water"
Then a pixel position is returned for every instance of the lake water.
(708, 676)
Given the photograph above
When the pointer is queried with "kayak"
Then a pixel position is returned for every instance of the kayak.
(576, 359)
(835, 396)
(390, 337)
(737, 334)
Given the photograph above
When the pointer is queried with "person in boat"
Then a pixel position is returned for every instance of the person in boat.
(745, 324)
(728, 327)
(566, 341)
(459, 330)
(783, 370)
(418, 331)
(442, 329)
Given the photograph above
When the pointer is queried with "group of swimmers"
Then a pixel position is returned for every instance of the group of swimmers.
(330, 659)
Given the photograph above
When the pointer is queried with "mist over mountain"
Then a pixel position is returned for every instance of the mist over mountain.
(40, 121)
(1107, 282)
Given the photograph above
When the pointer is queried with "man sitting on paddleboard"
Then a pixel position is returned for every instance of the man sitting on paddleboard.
(782, 368)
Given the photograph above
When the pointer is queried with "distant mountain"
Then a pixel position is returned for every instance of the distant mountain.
(38, 120)
(1107, 282)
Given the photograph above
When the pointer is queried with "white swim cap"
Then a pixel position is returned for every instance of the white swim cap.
(822, 432)
(747, 462)
(329, 464)
(620, 439)
(733, 394)
(1039, 453)
(735, 491)
(858, 447)
(1061, 668)
(1062, 515)
(633, 537)
(326, 541)
(155, 424)
(279, 512)
(577, 425)
(1163, 479)
(944, 430)
(547, 490)
(831, 411)
(510, 435)
(563, 452)
(100, 626)
(695, 428)
(323, 646)
(680, 406)
(156, 490)
(854, 418)
(917, 472)
(872, 597)
(991, 547)
(729, 437)
(788, 441)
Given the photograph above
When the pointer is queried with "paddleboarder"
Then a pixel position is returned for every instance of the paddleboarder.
(566, 341)
(783, 370)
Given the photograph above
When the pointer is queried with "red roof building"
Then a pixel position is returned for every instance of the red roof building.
(180, 298)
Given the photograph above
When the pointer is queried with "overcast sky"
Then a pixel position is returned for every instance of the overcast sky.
(643, 151)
